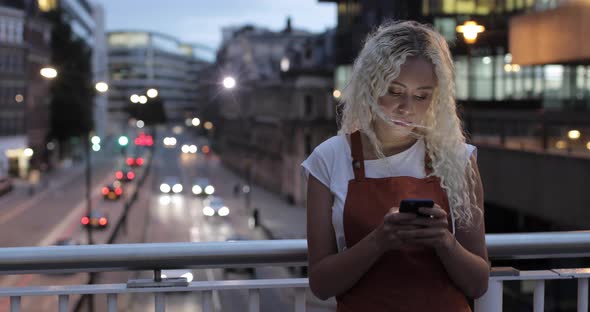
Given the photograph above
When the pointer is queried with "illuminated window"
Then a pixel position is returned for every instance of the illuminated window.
(47, 5)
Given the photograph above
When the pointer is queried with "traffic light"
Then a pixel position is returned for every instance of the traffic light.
(123, 140)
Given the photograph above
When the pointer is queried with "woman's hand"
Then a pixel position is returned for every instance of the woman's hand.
(431, 229)
(386, 235)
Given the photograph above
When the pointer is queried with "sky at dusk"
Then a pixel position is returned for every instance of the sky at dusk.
(200, 21)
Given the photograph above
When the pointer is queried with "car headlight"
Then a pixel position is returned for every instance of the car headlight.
(209, 190)
(208, 211)
(197, 190)
(165, 188)
(177, 188)
(223, 211)
(185, 149)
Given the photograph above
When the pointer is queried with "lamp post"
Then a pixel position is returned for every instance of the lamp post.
(470, 31)
(102, 87)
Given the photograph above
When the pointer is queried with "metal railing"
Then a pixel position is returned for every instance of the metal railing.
(159, 256)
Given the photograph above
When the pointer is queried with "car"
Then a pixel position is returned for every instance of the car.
(135, 161)
(125, 174)
(5, 185)
(202, 187)
(189, 149)
(171, 184)
(214, 206)
(97, 219)
(112, 191)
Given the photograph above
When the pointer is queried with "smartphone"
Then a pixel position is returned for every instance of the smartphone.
(411, 205)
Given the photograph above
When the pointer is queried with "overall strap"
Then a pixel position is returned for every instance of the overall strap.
(358, 161)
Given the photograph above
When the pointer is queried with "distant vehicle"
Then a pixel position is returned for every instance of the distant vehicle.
(5, 185)
(112, 191)
(97, 219)
(203, 187)
(214, 206)
(169, 142)
(171, 184)
(135, 161)
(189, 149)
(125, 174)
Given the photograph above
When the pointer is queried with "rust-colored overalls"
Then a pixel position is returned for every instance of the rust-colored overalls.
(411, 279)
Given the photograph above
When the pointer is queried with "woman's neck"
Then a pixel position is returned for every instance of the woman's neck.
(391, 143)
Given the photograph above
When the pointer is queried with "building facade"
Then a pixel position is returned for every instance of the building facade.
(283, 97)
(141, 60)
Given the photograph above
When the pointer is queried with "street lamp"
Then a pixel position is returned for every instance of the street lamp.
(152, 93)
(470, 30)
(101, 87)
(229, 82)
(573, 135)
(48, 72)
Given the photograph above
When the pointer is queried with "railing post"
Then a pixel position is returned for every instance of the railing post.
(583, 294)
(14, 304)
(491, 301)
(300, 299)
(207, 298)
(539, 296)
(160, 302)
(63, 303)
(254, 300)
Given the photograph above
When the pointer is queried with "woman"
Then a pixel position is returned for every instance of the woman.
(400, 137)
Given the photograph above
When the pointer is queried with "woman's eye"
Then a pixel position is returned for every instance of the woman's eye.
(394, 93)
(421, 97)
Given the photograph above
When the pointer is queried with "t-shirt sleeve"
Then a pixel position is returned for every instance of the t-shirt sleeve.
(319, 163)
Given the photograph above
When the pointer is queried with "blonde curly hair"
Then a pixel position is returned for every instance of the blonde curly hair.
(377, 65)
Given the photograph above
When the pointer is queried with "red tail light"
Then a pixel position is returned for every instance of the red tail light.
(119, 175)
(139, 161)
(118, 191)
(130, 161)
(102, 221)
(205, 149)
(85, 220)
(130, 175)
(105, 191)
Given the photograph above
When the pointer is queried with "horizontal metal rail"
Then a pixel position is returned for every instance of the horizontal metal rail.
(152, 256)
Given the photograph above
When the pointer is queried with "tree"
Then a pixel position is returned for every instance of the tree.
(72, 93)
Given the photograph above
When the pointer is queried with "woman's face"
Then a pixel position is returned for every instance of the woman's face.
(410, 94)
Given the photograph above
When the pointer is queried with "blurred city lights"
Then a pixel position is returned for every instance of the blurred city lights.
(140, 124)
(470, 29)
(515, 68)
(196, 122)
(123, 140)
(188, 122)
(560, 144)
(507, 68)
(101, 87)
(152, 93)
(28, 152)
(573, 134)
(486, 60)
(50, 146)
(95, 139)
(134, 98)
(285, 64)
(508, 58)
(588, 145)
(96, 147)
(229, 82)
(142, 99)
(208, 125)
(48, 72)
(19, 98)
(336, 93)
(177, 129)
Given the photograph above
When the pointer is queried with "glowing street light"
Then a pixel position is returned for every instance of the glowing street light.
(48, 72)
(152, 93)
(336, 94)
(19, 98)
(28, 152)
(229, 82)
(196, 122)
(573, 134)
(102, 87)
(142, 99)
(140, 124)
(208, 125)
(134, 98)
(95, 139)
(470, 30)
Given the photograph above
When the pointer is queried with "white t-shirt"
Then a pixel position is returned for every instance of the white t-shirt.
(331, 163)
